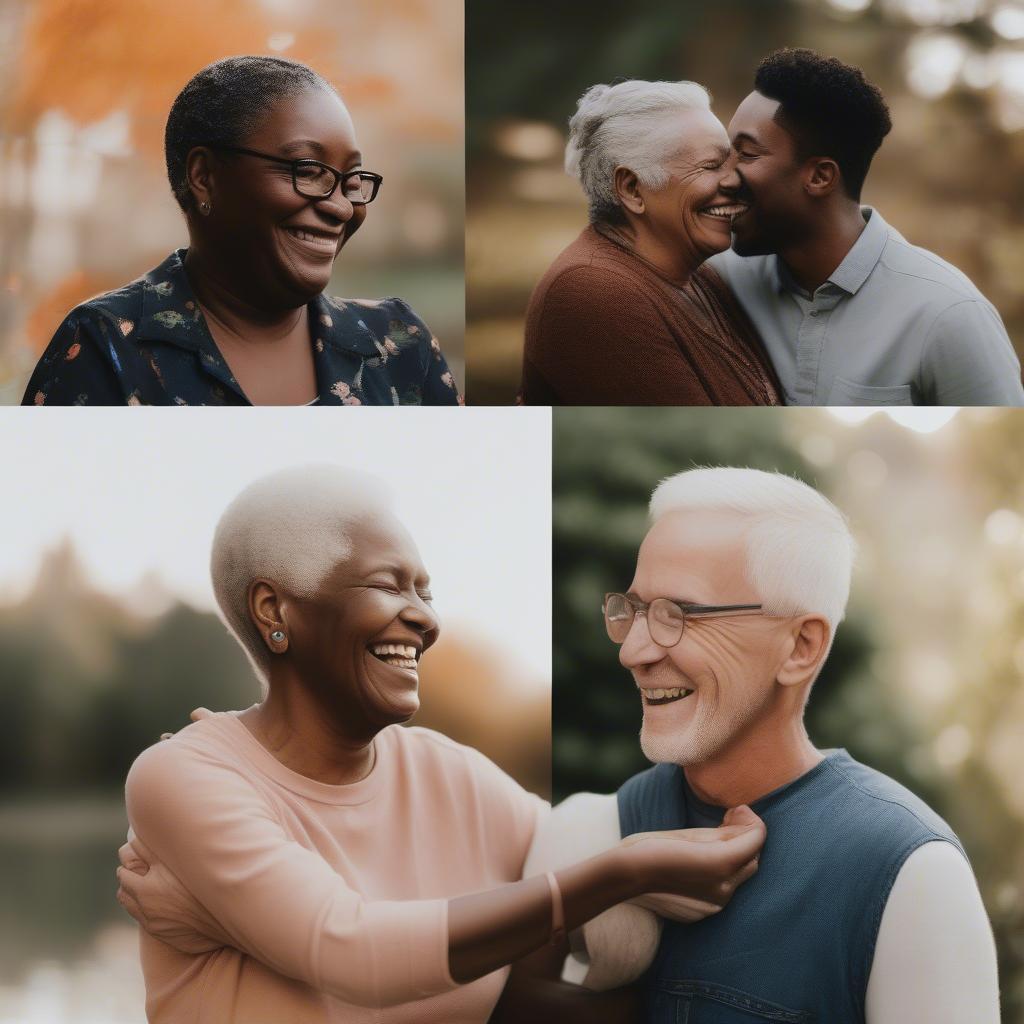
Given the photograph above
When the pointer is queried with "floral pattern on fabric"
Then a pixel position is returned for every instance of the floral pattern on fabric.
(148, 344)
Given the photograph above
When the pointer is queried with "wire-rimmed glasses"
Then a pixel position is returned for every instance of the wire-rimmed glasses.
(666, 618)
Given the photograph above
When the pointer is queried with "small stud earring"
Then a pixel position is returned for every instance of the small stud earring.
(204, 208)
(277, 636)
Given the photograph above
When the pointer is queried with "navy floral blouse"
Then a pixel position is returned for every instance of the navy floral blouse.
(148, 344)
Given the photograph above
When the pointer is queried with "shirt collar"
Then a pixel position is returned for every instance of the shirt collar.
(858, 263)
(170, 314)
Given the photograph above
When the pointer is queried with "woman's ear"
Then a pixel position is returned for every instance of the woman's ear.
(810, 638)
(627, 188)
(199, 177)
(267, 613)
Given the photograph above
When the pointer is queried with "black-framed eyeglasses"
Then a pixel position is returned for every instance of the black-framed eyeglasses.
(315, 180)
(666, 619)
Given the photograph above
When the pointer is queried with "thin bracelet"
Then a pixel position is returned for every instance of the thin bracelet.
(557, 911)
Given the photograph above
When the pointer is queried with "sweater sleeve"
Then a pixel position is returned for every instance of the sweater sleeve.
(278, 901)
(597, 339)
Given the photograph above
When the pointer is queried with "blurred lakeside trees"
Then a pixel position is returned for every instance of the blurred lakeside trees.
(924, 680)
(950, 176)
(87, 683)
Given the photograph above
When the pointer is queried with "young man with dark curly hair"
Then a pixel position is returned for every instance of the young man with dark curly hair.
(851, 313)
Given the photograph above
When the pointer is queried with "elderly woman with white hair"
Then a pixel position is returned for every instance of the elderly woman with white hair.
(310, 860)
(629, 314)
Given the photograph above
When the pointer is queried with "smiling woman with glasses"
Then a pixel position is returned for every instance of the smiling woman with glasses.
(262, 159)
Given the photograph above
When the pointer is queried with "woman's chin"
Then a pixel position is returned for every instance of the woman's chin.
(713, 242)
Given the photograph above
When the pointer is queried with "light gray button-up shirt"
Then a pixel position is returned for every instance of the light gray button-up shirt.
(893, 325)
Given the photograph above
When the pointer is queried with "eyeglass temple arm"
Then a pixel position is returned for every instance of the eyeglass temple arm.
(707, 609)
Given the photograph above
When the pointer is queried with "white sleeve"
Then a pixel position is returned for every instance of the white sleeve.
(616, 947)
(935, 959)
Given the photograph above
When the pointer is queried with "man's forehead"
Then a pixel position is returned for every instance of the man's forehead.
(755, 119)
(700, 529)
(694, 556)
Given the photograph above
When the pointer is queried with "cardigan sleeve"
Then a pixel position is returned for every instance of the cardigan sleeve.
(277, 901)
(594, 338)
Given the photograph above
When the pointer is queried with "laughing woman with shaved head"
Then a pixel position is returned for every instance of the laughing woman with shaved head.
(263, 161)
(309, 859)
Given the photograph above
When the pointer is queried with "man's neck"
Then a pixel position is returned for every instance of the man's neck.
(754, 765)
(815, 258)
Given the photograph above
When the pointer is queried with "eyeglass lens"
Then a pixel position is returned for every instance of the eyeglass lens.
(665, 619)
(315, 181)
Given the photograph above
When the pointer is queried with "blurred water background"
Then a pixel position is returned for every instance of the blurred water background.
(924, 680)
(85, 88)
(950, 176)
(108, 638)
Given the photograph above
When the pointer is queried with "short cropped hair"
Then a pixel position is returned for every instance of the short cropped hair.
(829, 108)
(292, 528)
(799, 548)
(225, 103)
(626, 125)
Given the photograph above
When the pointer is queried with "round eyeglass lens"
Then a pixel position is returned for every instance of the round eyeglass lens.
(618, 617)
(665, 621)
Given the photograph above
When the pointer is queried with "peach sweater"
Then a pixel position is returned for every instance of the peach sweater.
(334, 897)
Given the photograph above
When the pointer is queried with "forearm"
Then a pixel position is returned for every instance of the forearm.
(488, 930)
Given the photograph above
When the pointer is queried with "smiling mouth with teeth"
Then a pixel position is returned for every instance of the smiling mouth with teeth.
(666, 696)
(399, 655)
(725, 212)
(326, 242)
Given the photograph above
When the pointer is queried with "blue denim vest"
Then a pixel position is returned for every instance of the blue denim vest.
(796, 942)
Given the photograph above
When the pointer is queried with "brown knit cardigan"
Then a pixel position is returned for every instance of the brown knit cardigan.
(605, 328)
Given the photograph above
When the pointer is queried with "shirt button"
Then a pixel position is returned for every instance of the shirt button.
(814, 312)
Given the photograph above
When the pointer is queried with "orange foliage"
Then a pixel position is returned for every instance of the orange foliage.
(49, 312)
(469, 695)
(91, 57)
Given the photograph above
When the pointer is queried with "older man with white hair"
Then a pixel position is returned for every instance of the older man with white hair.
(864, 907)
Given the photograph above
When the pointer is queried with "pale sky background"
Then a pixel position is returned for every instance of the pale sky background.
(140, 491)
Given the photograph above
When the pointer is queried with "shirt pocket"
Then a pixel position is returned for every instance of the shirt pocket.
(848, 392)
(700, 1002)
